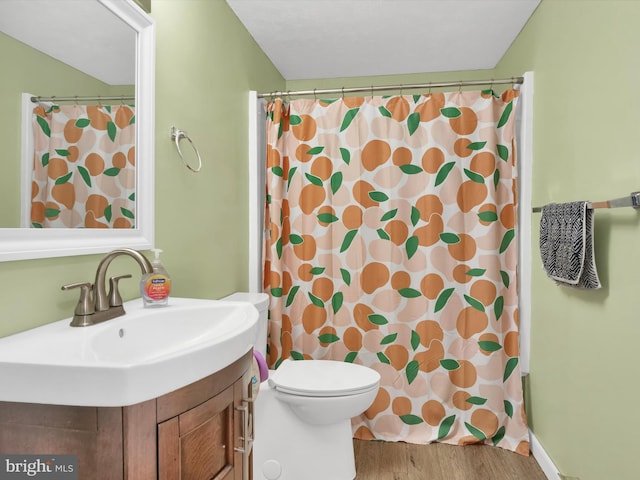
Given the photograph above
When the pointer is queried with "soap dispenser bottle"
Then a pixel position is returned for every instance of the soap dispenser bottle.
(156, 286)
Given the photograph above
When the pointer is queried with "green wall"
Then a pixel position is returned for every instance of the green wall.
(584, 366)
(206, 63)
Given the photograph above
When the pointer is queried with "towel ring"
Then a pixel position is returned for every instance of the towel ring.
(176, 136)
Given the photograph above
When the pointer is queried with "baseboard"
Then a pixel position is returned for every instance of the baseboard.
(543, 458)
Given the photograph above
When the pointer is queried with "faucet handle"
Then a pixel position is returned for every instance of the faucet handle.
(85, 305)
(115, 300)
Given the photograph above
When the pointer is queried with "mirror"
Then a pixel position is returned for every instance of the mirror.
(26, 243)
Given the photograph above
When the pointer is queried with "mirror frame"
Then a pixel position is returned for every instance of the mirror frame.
(32, 243)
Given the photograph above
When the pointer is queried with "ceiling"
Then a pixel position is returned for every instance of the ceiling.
(82, 34)
(305, 39)
(314, 39)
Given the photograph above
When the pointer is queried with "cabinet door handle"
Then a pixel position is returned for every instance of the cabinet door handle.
(246, 437)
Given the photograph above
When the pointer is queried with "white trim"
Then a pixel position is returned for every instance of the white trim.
(254, 227)
(543, 458)
(257, 178)
(26, 243)
(26, 160)
(525, 173)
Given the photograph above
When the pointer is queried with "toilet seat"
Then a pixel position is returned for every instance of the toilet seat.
(323, 378)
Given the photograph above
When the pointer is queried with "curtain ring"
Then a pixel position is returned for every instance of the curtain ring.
(314, 94)
(371, 92)
(430, 86)
(343, 93)
(76, 100)
(176, 136)
(460, 86)
(401, 88)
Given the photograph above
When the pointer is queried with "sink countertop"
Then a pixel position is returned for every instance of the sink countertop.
(142, 355)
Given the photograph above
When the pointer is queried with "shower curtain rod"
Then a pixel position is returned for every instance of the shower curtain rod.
(413, 86)
(82, 99)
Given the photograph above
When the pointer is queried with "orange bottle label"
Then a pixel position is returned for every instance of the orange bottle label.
(157, 287)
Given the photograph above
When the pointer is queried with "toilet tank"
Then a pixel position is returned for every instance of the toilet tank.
(261, 302)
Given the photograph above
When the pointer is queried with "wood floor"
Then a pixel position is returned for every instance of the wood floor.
(404, 461)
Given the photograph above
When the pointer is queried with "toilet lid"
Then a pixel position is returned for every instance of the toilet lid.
(323, 378)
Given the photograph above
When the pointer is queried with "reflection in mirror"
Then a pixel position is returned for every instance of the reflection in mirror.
(50, 62)
(80, 172)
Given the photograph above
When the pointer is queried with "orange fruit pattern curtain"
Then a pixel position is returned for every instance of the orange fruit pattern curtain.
(84, 167)
(392, 224)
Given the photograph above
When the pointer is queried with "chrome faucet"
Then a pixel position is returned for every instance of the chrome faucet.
(95, 305)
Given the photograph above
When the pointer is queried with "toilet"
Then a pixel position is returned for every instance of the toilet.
(303, 411)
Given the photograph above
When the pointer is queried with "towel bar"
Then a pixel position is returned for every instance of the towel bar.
(633, 200)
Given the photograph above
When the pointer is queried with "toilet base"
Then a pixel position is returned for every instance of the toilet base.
(286, 448)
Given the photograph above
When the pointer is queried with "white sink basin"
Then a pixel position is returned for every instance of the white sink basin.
(142, 355)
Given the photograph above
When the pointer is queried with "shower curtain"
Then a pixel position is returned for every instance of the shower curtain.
(84, 167)
(391, 243)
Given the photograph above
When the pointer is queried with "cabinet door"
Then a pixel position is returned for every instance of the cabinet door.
(93, 434)
(199, 444)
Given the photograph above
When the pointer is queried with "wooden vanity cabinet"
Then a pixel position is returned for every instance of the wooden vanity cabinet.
(201, 431)
(204, 441)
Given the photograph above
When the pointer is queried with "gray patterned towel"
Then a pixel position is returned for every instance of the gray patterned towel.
(566, 244)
